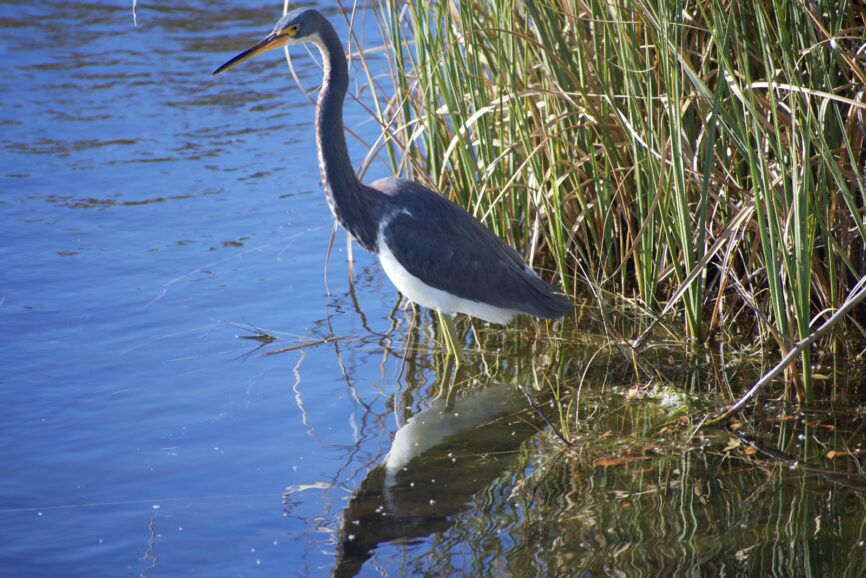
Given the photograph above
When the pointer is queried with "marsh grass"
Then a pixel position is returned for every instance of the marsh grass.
(706, 156)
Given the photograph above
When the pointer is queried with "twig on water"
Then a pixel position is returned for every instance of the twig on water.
(544, 417)
(855, 297)
(329, 339)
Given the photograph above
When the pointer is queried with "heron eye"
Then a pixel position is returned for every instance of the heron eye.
(293, 28)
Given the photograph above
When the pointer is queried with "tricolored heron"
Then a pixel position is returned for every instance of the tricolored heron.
(436, 253)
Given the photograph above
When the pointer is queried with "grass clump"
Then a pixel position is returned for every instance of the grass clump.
(707, 154)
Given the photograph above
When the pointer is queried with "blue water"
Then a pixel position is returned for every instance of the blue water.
(147, 208)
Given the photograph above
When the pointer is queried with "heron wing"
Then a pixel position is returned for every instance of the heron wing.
(445, 247)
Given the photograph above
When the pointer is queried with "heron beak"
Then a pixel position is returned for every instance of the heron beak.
(269, 42)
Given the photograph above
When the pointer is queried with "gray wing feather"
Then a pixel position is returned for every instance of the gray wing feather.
(445, 247)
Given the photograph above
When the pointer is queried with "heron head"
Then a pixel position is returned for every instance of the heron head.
(294, 28)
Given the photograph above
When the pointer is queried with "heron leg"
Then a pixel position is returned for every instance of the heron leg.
(452, 341)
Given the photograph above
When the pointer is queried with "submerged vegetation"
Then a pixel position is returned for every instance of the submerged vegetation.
(705, 156)
(618, 483)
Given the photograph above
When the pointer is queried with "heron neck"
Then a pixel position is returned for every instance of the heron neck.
(343, 191)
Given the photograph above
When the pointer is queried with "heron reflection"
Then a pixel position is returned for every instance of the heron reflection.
(439, 459)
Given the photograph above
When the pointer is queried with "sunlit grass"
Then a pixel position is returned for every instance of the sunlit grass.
(703, 155)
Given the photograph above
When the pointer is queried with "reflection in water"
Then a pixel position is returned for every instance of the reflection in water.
(438, 460)
(476, 485)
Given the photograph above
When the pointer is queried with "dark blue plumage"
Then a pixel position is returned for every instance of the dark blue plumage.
(441, 244)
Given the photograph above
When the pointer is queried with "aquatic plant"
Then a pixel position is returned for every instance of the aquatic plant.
(705, 155)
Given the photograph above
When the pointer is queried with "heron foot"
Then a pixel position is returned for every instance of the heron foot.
(452, 340)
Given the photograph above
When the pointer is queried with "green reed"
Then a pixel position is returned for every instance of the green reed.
(709, 151)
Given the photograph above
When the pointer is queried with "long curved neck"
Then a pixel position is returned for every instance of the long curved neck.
(343, 191)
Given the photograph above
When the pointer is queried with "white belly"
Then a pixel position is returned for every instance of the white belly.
(419, 292)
